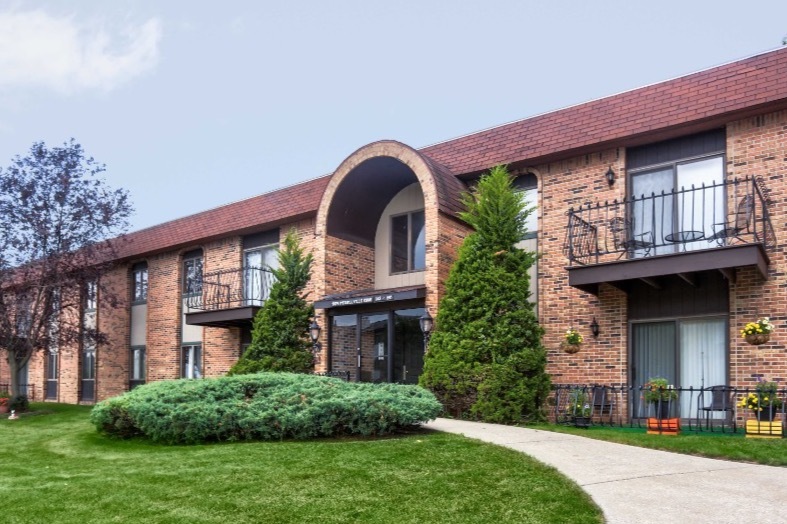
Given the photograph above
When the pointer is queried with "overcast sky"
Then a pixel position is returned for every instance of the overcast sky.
(195, 104)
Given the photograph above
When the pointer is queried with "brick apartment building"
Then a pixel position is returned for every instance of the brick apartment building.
(659, 216)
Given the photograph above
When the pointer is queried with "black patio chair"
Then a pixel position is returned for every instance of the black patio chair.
(720, 399)
(626, 241)
(738, 223)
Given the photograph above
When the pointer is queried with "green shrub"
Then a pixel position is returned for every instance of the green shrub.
(263, 406)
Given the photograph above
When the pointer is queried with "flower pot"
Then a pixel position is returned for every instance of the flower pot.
(570, 348)
(757, 339)
(661, 409)
(766, 415)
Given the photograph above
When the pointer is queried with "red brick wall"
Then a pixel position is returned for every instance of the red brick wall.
(164, 310)
(757, 146)
(112, 358)
(563, 185)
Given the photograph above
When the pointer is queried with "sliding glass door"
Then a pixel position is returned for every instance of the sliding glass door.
(689, 353)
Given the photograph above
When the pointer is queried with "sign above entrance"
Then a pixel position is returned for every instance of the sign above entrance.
(368, 299)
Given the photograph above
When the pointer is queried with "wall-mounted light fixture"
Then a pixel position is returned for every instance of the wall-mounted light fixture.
(314, 334)
(594, 328)
(610, 176)
(427, 323)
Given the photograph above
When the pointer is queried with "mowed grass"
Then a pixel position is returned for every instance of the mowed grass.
(728, 446)
(54, 467)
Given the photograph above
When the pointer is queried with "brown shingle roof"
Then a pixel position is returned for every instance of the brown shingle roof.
(686, 104)
(253, 214)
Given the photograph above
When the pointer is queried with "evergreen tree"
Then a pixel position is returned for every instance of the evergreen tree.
(485, 357)
(280, 335)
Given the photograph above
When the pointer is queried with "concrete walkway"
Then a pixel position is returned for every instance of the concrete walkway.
(633, 485)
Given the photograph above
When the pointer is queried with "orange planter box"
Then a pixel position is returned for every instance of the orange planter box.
(666, 426)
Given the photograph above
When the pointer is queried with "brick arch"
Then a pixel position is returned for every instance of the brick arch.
(441, 191)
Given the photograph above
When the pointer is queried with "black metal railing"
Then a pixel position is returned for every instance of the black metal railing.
(712, 409)
(685, 219)
(231, 288)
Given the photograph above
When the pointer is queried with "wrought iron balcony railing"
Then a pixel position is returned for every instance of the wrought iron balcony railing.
(232, 288)
(685, 219)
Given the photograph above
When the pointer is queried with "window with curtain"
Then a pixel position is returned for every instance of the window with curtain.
(689, 353)
(671, 199)
(257, 263)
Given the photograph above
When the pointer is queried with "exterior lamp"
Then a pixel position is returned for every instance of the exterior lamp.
(594, 328)
(314, 334)
(610, 176)
(427, 323)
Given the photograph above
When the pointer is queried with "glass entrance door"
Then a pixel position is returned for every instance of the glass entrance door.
(383, 346)
(408, 352)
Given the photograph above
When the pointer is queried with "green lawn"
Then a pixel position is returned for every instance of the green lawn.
(727, 446)
(54, 467)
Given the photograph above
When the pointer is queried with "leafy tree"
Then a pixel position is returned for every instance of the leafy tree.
(57, 216)
(485, 357)
(280, 336)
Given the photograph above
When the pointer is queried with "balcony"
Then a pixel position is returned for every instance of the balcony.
(718, 227)
(228, 298)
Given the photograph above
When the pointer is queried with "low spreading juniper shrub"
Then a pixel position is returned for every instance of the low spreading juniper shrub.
(262, 406)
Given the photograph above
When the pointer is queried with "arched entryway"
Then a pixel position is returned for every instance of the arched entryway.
(377, 259)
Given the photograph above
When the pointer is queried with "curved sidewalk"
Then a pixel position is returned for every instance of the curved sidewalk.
(632, 484)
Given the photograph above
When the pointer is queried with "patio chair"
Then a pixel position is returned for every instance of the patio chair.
(720, 400)
(740, 222)
(626, 241)
(602, 401)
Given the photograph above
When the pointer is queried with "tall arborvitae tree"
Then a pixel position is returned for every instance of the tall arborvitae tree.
(485, 357)
(280, 337)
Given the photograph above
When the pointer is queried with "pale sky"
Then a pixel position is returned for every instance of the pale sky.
(194, 104)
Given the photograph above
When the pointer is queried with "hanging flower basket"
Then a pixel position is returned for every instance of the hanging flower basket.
(572, 341)
(756, 333)
(757, 339)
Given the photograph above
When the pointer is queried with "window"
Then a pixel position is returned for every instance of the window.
(527, 184)
(257, 277)
(685, 210)
(191, 361)
(192, 272)
(91, 291)
(89, 363)
(139, 275)
(408, 242)
(50, 389)
(138, 364)
(665, 211)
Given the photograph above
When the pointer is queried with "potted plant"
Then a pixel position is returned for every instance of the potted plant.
(572, 341)
(756, 333)
(4, 400)
(578, 409)
(764, 403)
(661, 394)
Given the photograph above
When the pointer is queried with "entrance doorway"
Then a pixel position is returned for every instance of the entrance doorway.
(378, 346)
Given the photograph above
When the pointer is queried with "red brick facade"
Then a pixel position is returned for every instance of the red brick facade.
(569, 151)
